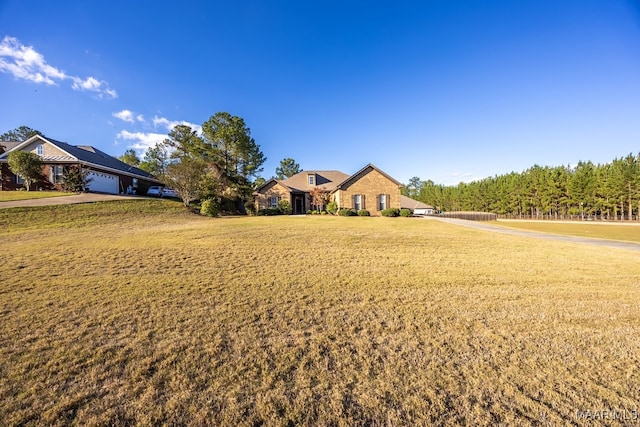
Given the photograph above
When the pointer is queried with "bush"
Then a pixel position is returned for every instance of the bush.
(363, 212)
(209, 207)
(347, 212)
(285, 207)
(391, 212)
(309, 212)
(323, 213)
(332, 208)
(405, 212)
(250, 207)
(269, 212)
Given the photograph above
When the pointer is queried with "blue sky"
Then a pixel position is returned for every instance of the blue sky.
(447, 90)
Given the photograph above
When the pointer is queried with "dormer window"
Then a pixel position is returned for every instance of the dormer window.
(311, 178)
(40, 150)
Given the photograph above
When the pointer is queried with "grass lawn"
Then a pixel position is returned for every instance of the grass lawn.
(136, 312)
(629, 232)
(10, 196)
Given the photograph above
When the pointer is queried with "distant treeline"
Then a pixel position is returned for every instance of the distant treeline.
(604, 191)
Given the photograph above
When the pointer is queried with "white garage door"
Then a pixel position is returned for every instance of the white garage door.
(103, 182)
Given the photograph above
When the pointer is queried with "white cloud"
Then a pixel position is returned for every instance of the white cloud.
(129, 116)
(24, 62)
(170, 124)
(141, 140)
(124, 115)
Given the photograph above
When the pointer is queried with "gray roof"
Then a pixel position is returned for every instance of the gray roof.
(10, 145)
(88, 155)
(409, 203)
(327, 179)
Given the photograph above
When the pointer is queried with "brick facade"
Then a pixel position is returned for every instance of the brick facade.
(370, 184)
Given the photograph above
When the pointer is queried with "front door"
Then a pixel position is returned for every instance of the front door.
(299, 205)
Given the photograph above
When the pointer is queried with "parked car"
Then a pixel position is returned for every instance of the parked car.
(168, 192)
(155, 191)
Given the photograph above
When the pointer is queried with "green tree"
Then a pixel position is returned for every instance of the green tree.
(413, 188)
(130, 157)
(156, 160)
(186, 142)
(228, 142)
(75, 179)
(26, 165)
(288, 167)
(19, 134)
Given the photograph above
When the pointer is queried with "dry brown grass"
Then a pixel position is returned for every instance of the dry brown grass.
(178, 319)
(629, 231)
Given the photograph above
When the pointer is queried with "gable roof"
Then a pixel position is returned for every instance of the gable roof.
(365, 170)
(327, 179)
(409, 203)
(10, 145)
(85, 154)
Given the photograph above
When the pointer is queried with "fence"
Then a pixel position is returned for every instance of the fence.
(471, 216)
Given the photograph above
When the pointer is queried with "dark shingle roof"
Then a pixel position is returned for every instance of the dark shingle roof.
(89, 154)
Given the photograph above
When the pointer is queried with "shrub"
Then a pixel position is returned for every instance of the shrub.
(75, 179)
(209, 207)
(269, 212)
(332, 208)
(391, 212)
(285, 207)
(309, 212)
(250, 207)
(405, 212)
(323, 213)
(363, 212)
(347, 212)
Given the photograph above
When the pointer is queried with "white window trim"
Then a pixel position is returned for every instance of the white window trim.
(357, 202)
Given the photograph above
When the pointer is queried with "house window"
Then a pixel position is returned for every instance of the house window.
(312, 179)
(357, 202)
(19, 180)
(382, 202)
(273, 201)
(40, 150)
(56, 174)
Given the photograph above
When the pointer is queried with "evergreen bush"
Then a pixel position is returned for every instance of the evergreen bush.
(209, 207)
(391, 212)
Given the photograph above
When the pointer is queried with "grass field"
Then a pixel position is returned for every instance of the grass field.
(629, 232)
(140, 313)
(10, 196)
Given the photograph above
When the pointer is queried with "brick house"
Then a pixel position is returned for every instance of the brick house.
(370, 188)
(107, 174)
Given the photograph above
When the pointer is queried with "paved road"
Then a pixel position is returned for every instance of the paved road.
(486, 226)
(65, 200)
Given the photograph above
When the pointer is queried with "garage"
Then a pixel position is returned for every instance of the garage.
(101, 182)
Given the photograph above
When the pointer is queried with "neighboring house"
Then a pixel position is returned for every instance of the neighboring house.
(369, 189)
(418, 208)
(107, 174)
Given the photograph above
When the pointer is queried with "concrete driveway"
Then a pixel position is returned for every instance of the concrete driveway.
(486, 226)
(66, 200)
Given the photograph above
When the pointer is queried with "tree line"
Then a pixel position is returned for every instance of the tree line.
(586, 190)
